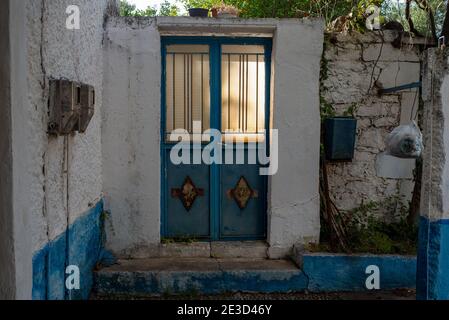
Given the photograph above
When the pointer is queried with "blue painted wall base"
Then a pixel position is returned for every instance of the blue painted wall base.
(84, 250)
(341, 272)
(432, 279)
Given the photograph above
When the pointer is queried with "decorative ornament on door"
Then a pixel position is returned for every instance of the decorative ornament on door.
(187, 193)
(242, 193)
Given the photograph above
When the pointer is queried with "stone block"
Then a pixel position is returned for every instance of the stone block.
(364, 156)
(276, 252)
(398, 73)
(348, 52)
(386, 122)
(348, 81)
(409, 105)
(406, 189)
(195, 249)
(371, 139)
(394, 168)
(389, 53)
(376, 107)
(239, 249)
(363, 123)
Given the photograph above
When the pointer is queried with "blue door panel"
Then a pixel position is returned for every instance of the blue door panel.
(243, 204)
(189, 219)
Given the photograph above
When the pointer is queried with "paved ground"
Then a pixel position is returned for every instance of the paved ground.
(378, 295)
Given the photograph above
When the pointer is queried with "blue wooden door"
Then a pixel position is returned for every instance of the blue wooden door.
(218, 83)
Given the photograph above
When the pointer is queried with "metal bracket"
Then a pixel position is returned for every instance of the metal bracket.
(399, 88)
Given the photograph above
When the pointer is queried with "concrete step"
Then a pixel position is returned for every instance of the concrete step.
(189, 276)
(203, 249)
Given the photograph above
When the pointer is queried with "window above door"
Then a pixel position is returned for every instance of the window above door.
(219, 82)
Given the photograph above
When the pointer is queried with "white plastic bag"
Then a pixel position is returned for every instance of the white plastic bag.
(405, 142)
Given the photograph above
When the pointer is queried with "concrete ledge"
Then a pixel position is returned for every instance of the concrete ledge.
(186, 250)
(225, 249)
(239, 249)
(340, 272)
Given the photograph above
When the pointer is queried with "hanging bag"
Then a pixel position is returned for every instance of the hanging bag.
(405, 142)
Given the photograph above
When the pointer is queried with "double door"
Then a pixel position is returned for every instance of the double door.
(215, 107)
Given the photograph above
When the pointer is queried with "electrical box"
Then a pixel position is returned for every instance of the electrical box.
(71, 106)
(87, 108)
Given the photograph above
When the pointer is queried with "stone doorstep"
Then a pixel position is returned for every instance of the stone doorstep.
(159, 276)
(232, 249)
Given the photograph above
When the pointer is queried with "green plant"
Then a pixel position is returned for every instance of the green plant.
(326, 109)
(368, 231)
(104, 216)
(130, 10)
(168, 9)
(327, 9)
(186, 240)
(351, 110)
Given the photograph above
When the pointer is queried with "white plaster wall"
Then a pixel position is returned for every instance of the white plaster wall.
(7, 267)
(131, 127)
(44, 179)
(294, 197)
(67, 170)
(444, 185)
(131, 130)
(23, 152)
(435, 181)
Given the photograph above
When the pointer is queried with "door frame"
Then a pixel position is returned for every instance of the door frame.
(215, 122)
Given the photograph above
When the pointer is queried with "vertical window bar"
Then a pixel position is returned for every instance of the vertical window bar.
(191, 93)
(174, 93)
(240, 89)
(247, 90)
(202, 94)
(188, 93)
(257, 93)
(184, 83)
(242, 126)
(229, 91)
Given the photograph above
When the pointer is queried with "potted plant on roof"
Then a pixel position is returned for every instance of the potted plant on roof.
(225, 11)
(339, 135)
(198, 11)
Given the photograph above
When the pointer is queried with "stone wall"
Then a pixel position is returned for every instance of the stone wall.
(357, 66)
